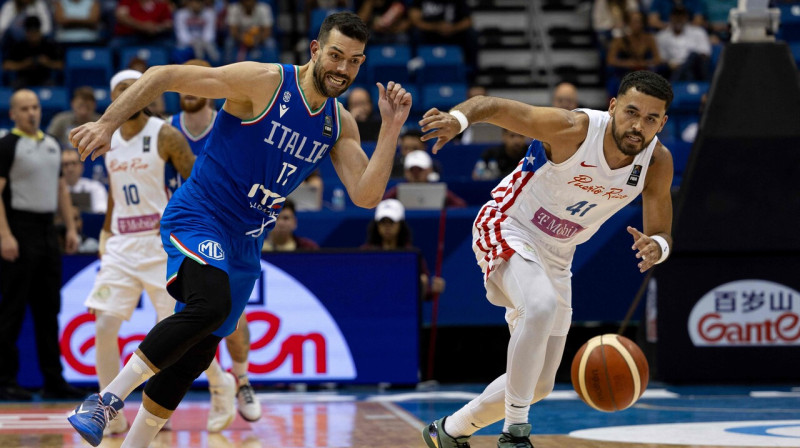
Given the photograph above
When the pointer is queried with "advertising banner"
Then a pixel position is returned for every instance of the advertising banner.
(313, 317)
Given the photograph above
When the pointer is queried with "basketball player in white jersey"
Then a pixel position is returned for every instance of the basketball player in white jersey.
(582, 167)
(132, 257)
(227, 394)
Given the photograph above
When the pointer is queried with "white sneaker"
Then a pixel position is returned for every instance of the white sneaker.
(247, 402)
(222, 410)
(116, 426)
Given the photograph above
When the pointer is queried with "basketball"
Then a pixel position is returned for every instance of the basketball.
(610, 372)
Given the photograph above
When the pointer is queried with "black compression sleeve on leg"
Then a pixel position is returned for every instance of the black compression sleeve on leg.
(168, 387)
(207, 294)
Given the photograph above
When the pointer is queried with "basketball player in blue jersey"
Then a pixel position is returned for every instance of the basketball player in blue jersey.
(195, 121)
(583, 166)
(279, 122)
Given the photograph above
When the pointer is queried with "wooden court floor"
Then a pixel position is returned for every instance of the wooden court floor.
(288, 421)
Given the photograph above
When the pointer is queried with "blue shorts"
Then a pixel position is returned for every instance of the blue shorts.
(192, 232)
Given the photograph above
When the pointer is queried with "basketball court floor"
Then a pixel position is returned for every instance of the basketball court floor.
(666, 416)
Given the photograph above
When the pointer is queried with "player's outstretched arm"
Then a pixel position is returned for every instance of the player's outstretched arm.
(245, 85)
(364, 178)
(550, 125)
(656, 211)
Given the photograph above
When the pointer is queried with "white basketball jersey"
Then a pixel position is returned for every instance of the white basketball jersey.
(555, 207)
(136, 178)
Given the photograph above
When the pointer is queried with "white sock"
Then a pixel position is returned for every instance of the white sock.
(135, 372)
(515, 415)
(143, 430)
(240, 370)
(214, 373)
(106, 349)
(462, 423)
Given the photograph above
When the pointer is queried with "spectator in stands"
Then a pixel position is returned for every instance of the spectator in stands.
(143, 22)
(359, 104)
(250, 25)
(660, 10)
(565, 96)
(86, 244)
(685, 48)
(390, 231)
(410, 140)
(419, 169)
(82, 110)
(498, 161)
(95, 192)
(282, 237)
(715, 13)
(77, 21)
(446, 22)
(14, 12)
(196, 32)
(636, 50)
(608, 18)
(386, 19)
(36, 60)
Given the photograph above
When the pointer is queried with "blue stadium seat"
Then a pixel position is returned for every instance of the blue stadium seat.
(388, 63)
(5, 105)
(103, 98)
(443, 96)
(442, 64)
(52, 100)
(687, 96)
(789, 30)
(318, 15)
(90, 66)
(151, 55)
(794, 47)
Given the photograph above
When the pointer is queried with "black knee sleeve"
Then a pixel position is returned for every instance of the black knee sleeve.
(206, 292)
(168, 387)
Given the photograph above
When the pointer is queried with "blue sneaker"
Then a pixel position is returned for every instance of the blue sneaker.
(91, 417)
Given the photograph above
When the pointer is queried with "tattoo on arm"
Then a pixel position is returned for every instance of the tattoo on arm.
(173, 147)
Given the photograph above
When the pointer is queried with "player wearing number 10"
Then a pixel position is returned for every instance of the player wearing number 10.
(582, 167)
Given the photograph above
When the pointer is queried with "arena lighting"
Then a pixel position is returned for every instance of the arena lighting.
(754, 21)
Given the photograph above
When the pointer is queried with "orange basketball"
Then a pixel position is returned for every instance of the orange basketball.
(610, 372)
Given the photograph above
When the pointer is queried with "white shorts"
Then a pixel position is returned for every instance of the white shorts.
(132, 264)
(539, 283)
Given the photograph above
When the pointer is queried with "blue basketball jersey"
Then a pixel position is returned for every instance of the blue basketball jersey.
(173, 179)
(248, 168)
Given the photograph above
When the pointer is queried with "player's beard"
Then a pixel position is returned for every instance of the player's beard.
(319, 82)
(191, 107)
(623, 145)
(135, 115)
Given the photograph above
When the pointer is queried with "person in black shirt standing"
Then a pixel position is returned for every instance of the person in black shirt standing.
(30, 269)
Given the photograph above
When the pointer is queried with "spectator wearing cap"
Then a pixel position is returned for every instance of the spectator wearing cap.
(390, 231)
(410, 140)
(35, 60)
(282, 237)
(418, 168)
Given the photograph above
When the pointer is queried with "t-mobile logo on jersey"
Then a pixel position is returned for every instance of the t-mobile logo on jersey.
(554, 226)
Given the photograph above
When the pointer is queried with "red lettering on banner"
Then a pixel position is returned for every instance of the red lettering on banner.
(784, 328)
(291, 347)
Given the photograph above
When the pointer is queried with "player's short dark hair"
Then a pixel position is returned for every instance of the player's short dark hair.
(648, 83)
(347, 23)
(32, 23)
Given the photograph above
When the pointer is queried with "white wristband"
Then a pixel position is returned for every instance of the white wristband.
(664, 247)
(462, 119)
